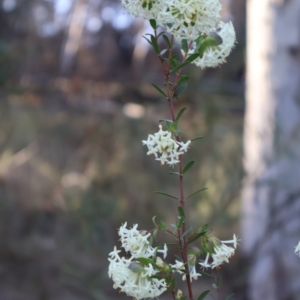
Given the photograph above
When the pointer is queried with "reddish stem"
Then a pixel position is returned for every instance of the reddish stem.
(166, 70)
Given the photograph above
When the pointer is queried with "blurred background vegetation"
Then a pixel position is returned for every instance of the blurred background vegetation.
(76, 102)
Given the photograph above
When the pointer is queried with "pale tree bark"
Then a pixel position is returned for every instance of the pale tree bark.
(271, 191)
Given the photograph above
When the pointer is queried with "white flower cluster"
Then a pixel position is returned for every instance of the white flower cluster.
(297, 249)
(162, 143)
(178, 267)
(189, 19)
(128, 275)
(221, 254)
(215, 56)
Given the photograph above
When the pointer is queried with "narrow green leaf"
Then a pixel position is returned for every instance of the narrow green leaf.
(174, 173)
(203, 189)
(230, 296)
(154, 44)
(188, 166)
(153, 220)
(159, 89)
(197, 138)
(174, 126)
(182, 79)
(174, 62)
(181, 212)
(212, 40)
(188, 231)
(203, 295)
(144, 260)
(190, 59)
(165, 194)
(180, 223)
(169, 124)
(135, 267)
(162, 225)
(153, 24)
(203, 228)
(180, 88)
(184, 45)
(147, 40)
(167, 41)
(195, 237)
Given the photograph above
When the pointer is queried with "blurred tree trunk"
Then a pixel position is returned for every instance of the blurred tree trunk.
(271, 192)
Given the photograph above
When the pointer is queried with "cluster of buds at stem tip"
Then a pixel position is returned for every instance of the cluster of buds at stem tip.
(192, 21)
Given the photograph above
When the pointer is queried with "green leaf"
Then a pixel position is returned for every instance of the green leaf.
(153, 24)
(203, 228)
(217, 284)
(190, 59)
(147, 40)
(189, 230)
(180, 88)
(203, 189)
(136, 267)
(182, 79)
(180, 223)
(203, 295)
(159, 90)
(174, 173)
(172, 126)
(188, 166)
(153, 220)
(195, 237)
(167, 41)
(168, 124)
(212, 40)
(162, 225)
(184, 45)
(197, 138)
(144, 260)
(181, 212)
(154, 44)
(174, 62)
(165, 194)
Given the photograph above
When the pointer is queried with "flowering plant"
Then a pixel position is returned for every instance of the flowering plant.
(144, 272)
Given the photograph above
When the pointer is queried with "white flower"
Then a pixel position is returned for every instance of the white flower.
(164, 251)
(216, 55)
(205, 263)
(147, 9)
(193, 274)
(221, 255)
(187, 19)
(178, 267)
(135, 241)
(137, 284)
(297, 249)
(234, 241)
(184, 146)
(161, 143)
